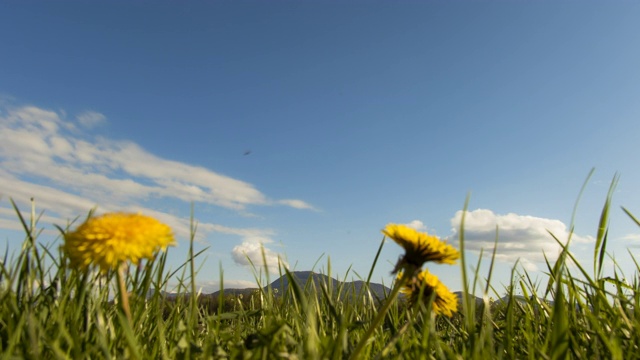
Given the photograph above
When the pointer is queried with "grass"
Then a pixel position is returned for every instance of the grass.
(51, 311)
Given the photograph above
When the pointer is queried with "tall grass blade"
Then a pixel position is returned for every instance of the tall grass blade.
(601, 238)
(375, 260)
(493, 259)
(631, 216)
(559, 344)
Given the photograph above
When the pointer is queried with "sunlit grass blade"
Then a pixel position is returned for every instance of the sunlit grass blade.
(559, 339)
(631, 216)
(601, 237)
(51, 310)
(375, 260)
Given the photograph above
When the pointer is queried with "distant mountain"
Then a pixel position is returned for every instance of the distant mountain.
(305, 279)
(460, 295)
(164, 294)
(523, 300)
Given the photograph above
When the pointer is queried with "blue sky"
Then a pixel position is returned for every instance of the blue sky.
(308, 126)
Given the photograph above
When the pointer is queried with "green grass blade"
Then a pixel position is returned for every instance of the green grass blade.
(600, 248)
(375, 260)
(631, 216)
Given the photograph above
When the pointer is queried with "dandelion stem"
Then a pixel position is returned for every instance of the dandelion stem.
(124, 295)
(407, 274)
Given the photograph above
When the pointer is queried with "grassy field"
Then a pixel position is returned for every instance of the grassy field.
(52, 309)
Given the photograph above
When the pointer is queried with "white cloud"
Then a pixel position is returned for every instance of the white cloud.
(68, 172)
(418, 225)
(69, 207)
(253, 252)
(63, 203)
(40, 146)
(89, 119)
(521, 237)
(10, 224)
(634, 238)
(297, 204)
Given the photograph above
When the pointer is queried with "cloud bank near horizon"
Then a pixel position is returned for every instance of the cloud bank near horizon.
(522, 238)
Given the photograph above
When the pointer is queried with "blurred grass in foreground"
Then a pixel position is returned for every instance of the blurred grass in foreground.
(51, 310)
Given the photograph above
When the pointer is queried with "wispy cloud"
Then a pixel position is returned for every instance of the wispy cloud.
(44, 146)
(296, 204)
(631, 240)
(89, 119)
(521, 237)
(634, 238)
(69, 171)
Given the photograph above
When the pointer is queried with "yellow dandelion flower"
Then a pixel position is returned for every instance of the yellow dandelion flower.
(114, 238)
(420, 247)
(425, 284)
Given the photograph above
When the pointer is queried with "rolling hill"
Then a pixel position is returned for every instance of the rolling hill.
(306, 279)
